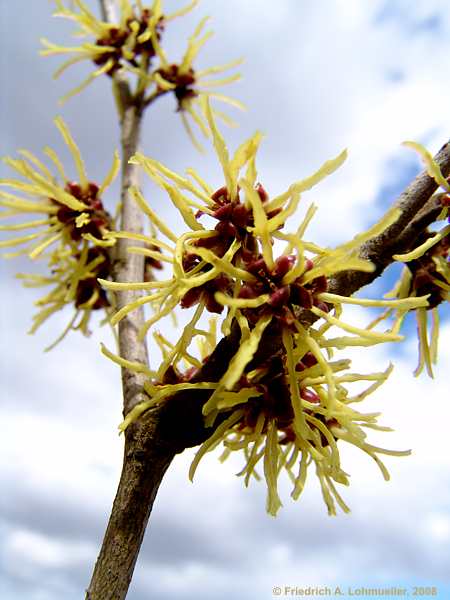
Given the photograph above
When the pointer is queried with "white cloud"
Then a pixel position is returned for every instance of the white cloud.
(23, 547)
(437, 526)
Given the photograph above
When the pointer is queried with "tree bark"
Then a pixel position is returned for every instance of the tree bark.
(128, 266)
(145, 459)
(145, 463)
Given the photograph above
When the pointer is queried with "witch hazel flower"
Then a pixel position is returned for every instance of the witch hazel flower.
(133, 45)
(73, 281)
(283, 399)
(68, 234)
(113, 46)
(188, 85)
(71, 210)
(426, 272)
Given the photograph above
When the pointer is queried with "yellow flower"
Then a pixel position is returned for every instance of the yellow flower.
(426, 272)
(133, 44)
(68, 233)
(71, 210)
(73, 280)
(188, 85)
(284, 405)
(114, 45)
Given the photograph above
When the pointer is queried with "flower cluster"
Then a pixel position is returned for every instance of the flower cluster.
(426, 272)
(133, 45)
(68, 235)
(282, 398)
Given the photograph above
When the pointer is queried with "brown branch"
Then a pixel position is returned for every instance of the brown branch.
(130, 266)
(427, 215)
(145, 459)
(145, 462)
(399, 237)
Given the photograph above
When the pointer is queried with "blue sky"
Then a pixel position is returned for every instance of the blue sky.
(318, 77)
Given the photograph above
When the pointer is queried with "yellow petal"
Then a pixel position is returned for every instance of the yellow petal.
(432, 167)
(112, 174)
(64, 130)
(245, 353)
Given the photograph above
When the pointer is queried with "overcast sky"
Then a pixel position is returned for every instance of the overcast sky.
(318, 76)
